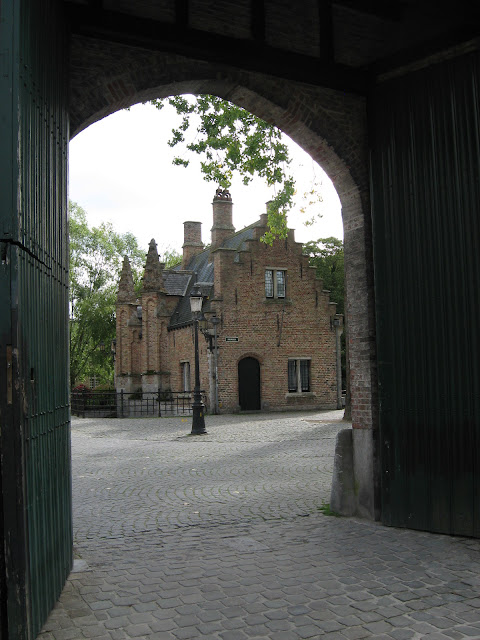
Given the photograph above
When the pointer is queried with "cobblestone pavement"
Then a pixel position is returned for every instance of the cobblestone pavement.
(223, 536)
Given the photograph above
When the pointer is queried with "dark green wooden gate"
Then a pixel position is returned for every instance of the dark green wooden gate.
(34, 411)
(425, 130)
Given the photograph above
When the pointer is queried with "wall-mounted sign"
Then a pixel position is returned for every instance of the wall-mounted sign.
(231, 339)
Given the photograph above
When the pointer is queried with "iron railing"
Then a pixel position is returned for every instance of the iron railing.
(120, 404)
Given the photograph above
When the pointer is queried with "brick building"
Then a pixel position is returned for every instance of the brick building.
(276, 342)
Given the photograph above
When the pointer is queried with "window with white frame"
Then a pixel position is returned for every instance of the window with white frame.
(299, 375)
(186, 376)
(275, 283)
(93, 382)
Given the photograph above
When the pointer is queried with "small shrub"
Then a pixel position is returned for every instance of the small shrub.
(325, 509)
(81, 388)
(104, 387)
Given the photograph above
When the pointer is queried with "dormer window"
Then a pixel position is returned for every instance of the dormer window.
(275, 280)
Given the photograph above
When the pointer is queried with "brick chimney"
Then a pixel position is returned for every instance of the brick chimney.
(222, 218)
(192, 241)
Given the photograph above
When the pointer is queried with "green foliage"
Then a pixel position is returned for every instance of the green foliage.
(232, 140)
(170, 257)
(312, 200)
(327, 511)
(326, 255)
(95, 263)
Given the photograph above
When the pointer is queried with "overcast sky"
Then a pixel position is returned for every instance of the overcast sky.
(121, 171)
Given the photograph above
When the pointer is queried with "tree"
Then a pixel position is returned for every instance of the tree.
(95, 263)
(230, 139)
(326, 255)
(170, 257)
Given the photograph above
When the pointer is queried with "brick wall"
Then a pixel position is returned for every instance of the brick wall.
(330, 125)
(128, 354)
(274, 330)
(270, 330)
(222, 218)
(181, 348)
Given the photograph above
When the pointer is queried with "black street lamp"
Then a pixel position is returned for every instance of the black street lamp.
(198, 408)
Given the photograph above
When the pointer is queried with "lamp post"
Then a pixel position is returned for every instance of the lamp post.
(198, 408)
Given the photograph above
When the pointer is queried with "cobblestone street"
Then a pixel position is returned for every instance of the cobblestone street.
(223, 536)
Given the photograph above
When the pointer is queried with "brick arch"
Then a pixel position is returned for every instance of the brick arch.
(327, 124)
(249, 383)
(106, 78)
(250, 354)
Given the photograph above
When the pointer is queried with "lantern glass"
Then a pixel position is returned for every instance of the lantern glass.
(203, 324)
(196, 301)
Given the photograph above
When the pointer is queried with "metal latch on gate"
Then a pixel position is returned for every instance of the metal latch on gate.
(9, 375)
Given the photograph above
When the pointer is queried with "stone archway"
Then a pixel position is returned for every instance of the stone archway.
(329, 125)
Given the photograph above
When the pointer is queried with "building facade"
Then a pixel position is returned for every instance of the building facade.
(269, 327)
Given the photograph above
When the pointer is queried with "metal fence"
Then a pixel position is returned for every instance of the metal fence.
(113, 404)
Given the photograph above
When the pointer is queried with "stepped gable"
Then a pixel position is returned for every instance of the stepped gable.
(126, 290)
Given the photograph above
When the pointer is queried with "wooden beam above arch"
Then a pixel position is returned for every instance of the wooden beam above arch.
(250, 54)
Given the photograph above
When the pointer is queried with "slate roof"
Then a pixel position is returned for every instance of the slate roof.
(200, 271)
(176, 283)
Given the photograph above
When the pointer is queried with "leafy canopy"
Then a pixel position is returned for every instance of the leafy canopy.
(327, 256)
(232, 140)
(95, 263)
(170, 258)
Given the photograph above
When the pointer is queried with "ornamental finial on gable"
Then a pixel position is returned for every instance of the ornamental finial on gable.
(126, 290)
(153, 277)
(222, 194)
